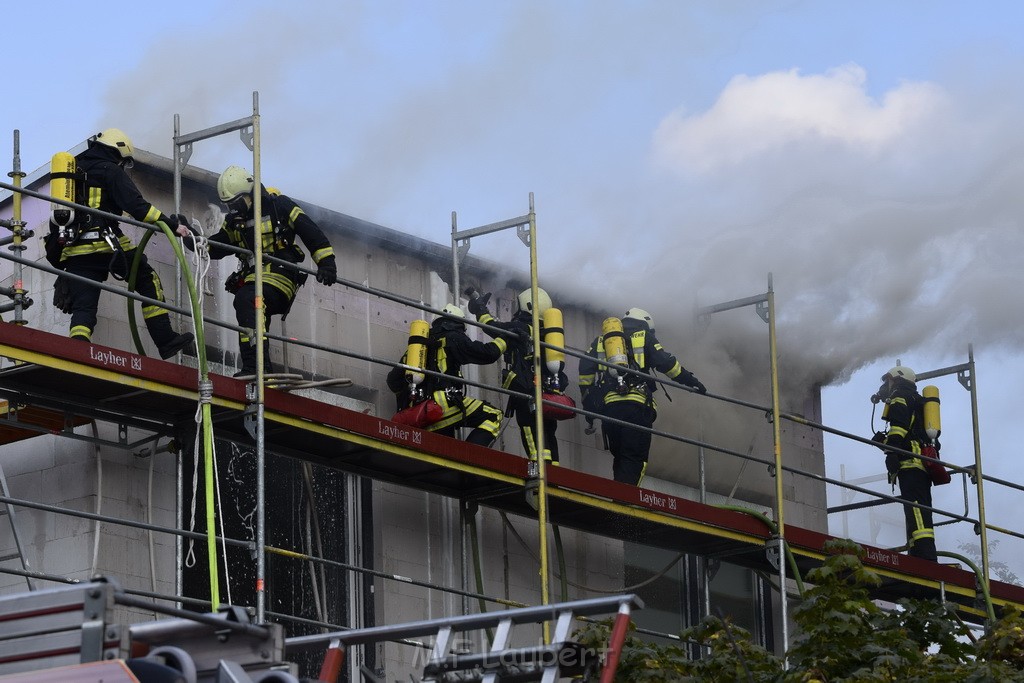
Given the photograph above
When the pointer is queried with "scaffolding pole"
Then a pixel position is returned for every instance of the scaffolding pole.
(526, 229)
(249, 132)
(765, 307)
(19, 302)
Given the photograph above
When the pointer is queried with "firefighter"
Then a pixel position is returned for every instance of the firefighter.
(94, 247)
(904, 411)
(629, 397)
(448, 349)
(519, 368)
(282, 221)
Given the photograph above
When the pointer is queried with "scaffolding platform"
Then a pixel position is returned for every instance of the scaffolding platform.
(83, 381)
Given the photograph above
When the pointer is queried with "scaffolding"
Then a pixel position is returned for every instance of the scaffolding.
(564, 497)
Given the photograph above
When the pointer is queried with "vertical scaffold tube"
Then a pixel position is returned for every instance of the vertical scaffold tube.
(261, 482)
(777, 444)
(538, 388)
(982, 525)
(17, 225)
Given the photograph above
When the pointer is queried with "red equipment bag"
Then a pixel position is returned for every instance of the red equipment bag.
(423, 414)
(558, 412)
(938, 473)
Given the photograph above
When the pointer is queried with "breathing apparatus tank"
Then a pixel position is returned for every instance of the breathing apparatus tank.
(554, 334)
(62, 186)
(416, 353)
(932, 423)
(614, 344)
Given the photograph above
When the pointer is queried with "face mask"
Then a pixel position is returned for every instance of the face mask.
(238, 204)
(882, 392)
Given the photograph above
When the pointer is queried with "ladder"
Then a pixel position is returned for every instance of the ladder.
(7, 510)
(543, 664)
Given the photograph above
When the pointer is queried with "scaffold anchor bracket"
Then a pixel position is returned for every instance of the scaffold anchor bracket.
(250, 422)
(771, 553)
(532, 493)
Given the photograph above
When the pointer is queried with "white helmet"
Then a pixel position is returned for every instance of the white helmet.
(525, 301)
(453, 310)
(640, 315)
(901, 371)
(115, 137)
(233, 183)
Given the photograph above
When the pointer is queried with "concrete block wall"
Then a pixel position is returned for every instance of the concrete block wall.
(71, 475)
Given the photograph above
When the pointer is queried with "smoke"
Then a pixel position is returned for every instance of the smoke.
(887, 223)
(887, 220)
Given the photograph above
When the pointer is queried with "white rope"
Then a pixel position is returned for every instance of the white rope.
(201, 263)
(199, 271)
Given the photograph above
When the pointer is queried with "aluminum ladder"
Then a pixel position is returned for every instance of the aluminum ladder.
(547, 663)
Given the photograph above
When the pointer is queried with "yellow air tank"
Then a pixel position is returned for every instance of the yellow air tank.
(614, 343)
(932, 423)
(62, 186)
(554, 334)
(416, 354)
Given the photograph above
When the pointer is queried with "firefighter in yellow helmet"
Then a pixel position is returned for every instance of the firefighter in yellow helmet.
(282, 221)
(519, 367)
(95, 247)
(632, 399)
(448, 349)
(904, 411)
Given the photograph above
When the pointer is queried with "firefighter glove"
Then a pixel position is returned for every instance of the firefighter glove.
(478, 305)
(171, 220)
(184, 222)
(62, 298)
(327, 271)
(688, 379)
(879, 439)
(892, 466)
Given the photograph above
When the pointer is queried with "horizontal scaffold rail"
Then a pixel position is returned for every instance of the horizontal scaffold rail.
(58, 375)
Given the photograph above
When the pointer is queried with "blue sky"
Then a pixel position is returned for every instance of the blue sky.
(867, 154)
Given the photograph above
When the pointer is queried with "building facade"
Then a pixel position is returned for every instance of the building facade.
(376, 532)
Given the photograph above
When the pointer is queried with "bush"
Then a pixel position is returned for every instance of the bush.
(842, 636)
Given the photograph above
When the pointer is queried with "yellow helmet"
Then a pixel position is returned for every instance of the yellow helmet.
(233, 183)
(525, 301)
(115, 137)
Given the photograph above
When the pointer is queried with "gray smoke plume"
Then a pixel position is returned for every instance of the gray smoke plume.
(888, 220)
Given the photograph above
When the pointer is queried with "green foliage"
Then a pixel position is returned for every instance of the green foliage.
(843, 637)
(1005, 640)
(1001, 570)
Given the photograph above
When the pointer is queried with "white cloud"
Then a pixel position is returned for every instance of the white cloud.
(759, 114)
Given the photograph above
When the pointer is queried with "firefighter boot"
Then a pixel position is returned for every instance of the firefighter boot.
(247, 354)
(167, 342)
(177, 343)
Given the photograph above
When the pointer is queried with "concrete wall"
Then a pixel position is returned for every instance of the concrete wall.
(84, 476)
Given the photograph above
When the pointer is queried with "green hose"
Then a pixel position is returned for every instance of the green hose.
(560, 553)
(193, 296)
(790, 558)
(470, 515)
(207, 420)
(982, 581)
